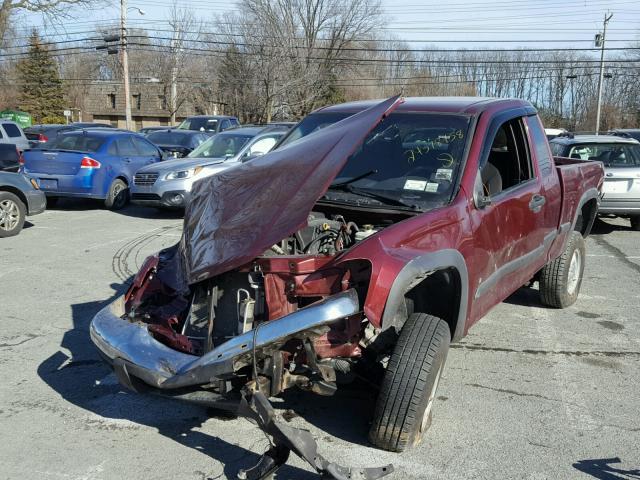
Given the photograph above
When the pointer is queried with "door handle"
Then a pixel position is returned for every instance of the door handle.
(536, 203)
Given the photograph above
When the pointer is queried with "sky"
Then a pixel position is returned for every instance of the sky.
(445, 24)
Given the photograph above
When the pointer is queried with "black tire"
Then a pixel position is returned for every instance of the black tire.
(561, 278)
(635, 223)
(403, 408)
(12, 214)
(118, 196)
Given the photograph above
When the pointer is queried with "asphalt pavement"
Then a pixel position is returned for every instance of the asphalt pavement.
(531, 392)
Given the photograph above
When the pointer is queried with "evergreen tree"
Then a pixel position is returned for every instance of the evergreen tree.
(41, 92)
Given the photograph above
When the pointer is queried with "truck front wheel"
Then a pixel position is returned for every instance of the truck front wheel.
(403, 409)
(561, 278)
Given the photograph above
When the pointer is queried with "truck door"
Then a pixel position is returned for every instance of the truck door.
(506, 218)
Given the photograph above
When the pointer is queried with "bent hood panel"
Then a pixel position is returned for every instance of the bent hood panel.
(238, 214)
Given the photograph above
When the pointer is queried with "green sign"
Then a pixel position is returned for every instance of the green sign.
(21, 118)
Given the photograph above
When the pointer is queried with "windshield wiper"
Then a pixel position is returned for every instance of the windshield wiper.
(353, 179)
(386, 199)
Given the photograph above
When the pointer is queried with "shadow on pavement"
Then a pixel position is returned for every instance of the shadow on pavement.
(86, 381)
(525, 297)
(601, 469)
(602, 227)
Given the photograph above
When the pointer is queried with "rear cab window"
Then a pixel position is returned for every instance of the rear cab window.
(540, 145)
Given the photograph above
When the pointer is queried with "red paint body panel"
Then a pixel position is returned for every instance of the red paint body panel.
(503, 244)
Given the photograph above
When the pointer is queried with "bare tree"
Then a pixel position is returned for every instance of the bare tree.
(50, 8)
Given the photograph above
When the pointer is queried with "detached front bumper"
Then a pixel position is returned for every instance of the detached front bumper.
(130, 347)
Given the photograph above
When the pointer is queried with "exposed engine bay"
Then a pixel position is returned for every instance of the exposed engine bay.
(293, 274)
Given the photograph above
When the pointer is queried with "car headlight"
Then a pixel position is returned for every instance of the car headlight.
(182, 174)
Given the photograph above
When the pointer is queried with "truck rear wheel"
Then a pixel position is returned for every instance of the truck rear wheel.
(561, 278)
(635, 223)
(403, 409)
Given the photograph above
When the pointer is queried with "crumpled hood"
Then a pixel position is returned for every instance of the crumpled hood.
(239, 213)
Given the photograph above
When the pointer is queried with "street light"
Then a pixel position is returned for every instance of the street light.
(125, 61)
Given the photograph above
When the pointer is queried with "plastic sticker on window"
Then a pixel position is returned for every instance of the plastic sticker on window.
(415, 185)
(444, 174)
(432, 187)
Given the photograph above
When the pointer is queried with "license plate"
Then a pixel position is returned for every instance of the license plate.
(48, 184)
(615, 186)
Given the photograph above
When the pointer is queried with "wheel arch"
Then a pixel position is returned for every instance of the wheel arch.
(587, 210)
(412, 291)
(17, 192)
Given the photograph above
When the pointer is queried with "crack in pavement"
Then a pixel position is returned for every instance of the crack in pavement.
(513, 392)
(531, 351)
(30, 336)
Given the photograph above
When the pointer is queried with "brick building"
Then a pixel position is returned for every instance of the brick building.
(104, 103)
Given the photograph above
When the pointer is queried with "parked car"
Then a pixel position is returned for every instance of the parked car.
(10, 157)
(147, 130)
(169, 184)
(621, 159)
(95, 163)
(554, 132)
(19, 197)
(40, 134)
(209, 123)
(626, 132)
(177, 143)
(10, 132)
(364, 247)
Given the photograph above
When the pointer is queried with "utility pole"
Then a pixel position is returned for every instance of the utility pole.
(125, 64)
(600, 42)
(573, 101)
(173, 106)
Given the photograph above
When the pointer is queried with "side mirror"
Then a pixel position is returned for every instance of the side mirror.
(480, 199)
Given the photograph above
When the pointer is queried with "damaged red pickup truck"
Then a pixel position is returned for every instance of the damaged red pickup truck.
(372, 237)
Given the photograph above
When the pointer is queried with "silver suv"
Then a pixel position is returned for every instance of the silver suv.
(168, 184)
(621, 159)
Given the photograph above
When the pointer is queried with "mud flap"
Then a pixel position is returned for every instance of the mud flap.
(255, 406)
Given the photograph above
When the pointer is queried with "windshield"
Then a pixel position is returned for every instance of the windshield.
(615, 155)
(409, 159)
(221, 145)
(310, 124)
(200, 124)
(84, 142)
(169, 138)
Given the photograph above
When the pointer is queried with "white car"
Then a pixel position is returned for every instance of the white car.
(10, 132)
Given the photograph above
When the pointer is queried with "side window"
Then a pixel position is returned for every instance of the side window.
(509, 162)
(224, 125)
(234, 122)
(540, 145)
(1, 134)
(556, 148)
(144, 148)
(126, 147)
(12, 130)
(113, 149)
